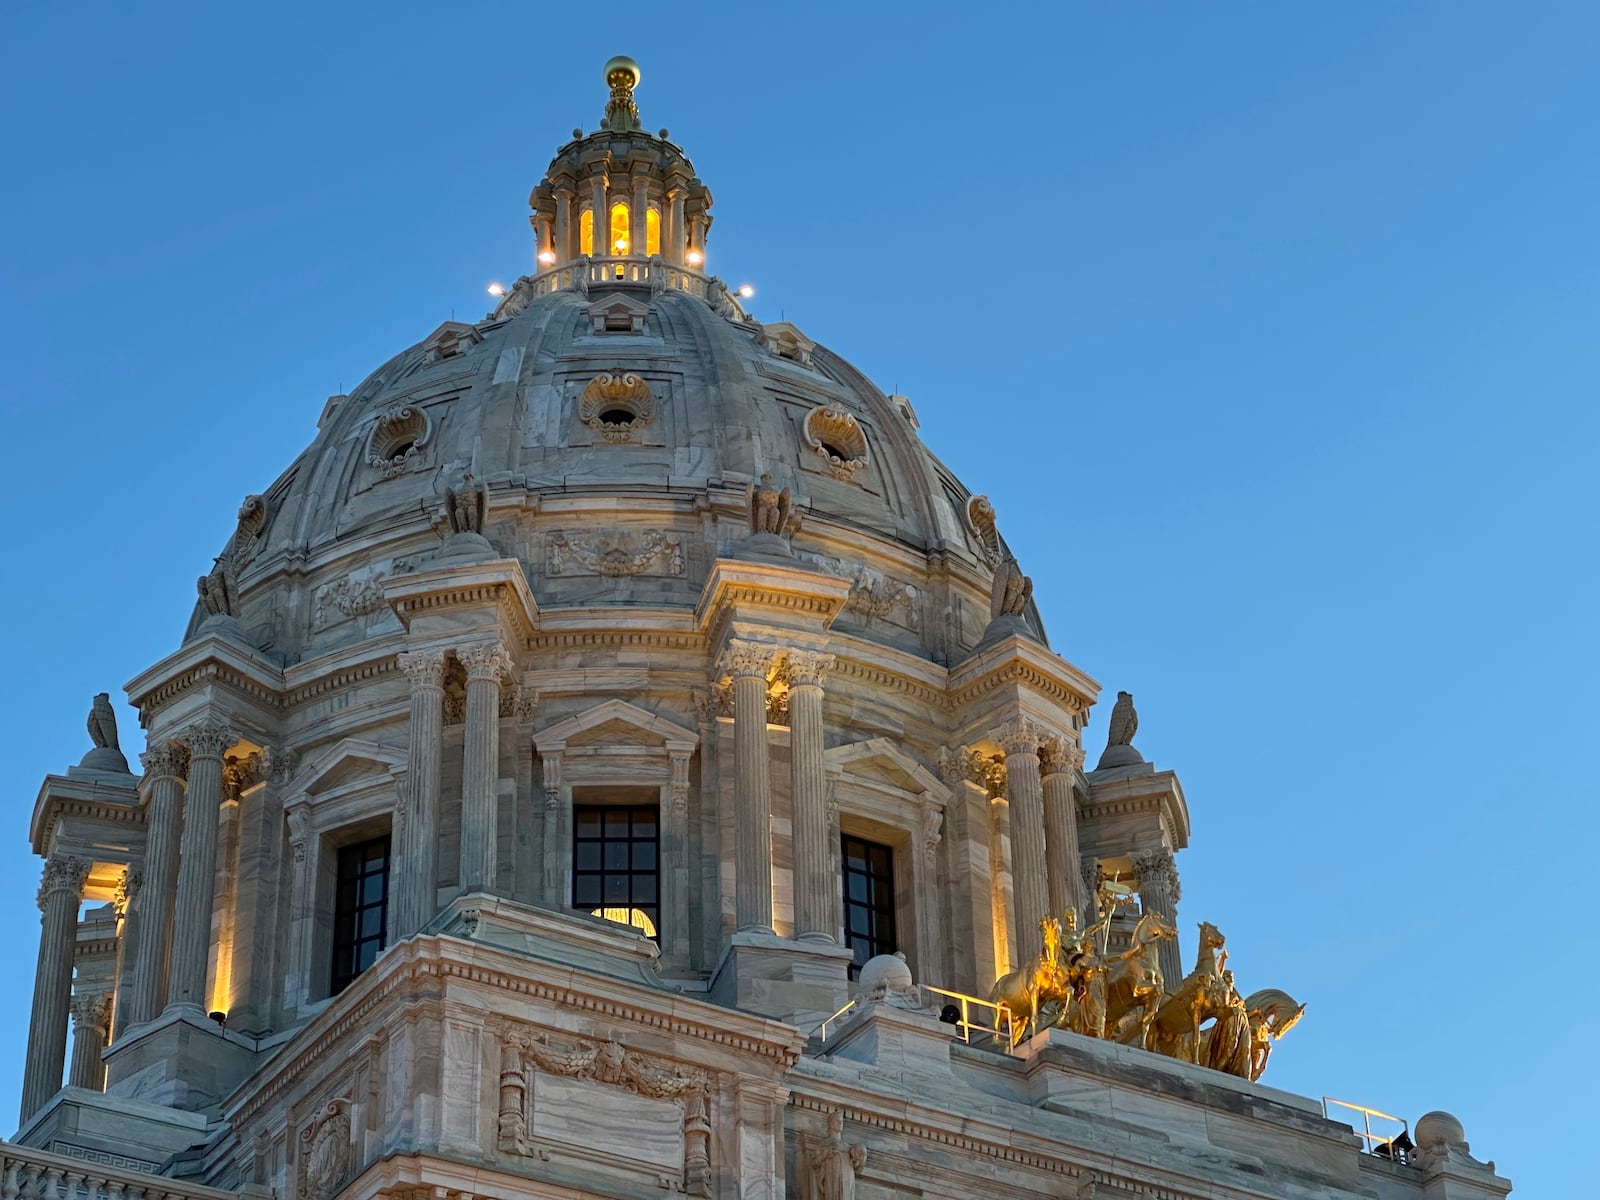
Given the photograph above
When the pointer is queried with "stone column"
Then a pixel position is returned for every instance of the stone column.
(566, 246)
(60, 893)
(1020, 739)
(197, 868)
(675, 864)
(1157, 875)
(126, 902)
(676, 231)
(164, 769)
(417, 878)
(1059, 758)
(254, 983)
(556, 853)
(91, 1025)
(748, 663)
(639, 217)
(814, 883)
(480, 765)
(601, 245)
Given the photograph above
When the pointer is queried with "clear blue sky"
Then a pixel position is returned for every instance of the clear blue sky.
(1269, 328)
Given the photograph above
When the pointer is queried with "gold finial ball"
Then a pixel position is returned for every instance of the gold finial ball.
(624, 66)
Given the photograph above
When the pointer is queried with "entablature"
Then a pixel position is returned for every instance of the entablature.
(214, 668)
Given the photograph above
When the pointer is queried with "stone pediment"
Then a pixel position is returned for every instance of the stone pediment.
(880, 761)
(616, 313)
(451, 339)
(350, 761)
(615, 723)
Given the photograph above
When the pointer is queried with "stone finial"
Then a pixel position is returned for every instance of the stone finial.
(1119, 751)
(107, 753)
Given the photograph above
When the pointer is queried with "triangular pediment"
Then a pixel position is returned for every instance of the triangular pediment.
(347, 762)
(616, 723)
(450, 339)
(617, 313)
(882, 762)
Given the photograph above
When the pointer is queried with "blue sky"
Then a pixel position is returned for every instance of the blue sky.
(1270, 330)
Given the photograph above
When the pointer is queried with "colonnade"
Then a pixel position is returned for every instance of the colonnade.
(414, 841)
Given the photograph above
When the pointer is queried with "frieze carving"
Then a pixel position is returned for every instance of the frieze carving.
(615, 553)
(348, 597)
(612, 1064)
(873, 594)
(63, 873)
(837, 437)
(616, 405)
(326, 1151)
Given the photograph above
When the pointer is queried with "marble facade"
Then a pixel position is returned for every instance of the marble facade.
(617, 545)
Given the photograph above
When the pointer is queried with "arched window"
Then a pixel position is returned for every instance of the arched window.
(586, 232)
(652, 231)
(619, 242)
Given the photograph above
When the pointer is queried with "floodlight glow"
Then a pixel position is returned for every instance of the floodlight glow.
(496, 290)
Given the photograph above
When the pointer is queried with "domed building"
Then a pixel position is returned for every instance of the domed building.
(618, 756)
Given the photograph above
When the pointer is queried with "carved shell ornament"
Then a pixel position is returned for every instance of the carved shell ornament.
(399, 436)
(980, 519)
(834, 433)
(615, 405)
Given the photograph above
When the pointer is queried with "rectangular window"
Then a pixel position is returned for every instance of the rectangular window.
(615, 852)
(360, 910)
(868, 900)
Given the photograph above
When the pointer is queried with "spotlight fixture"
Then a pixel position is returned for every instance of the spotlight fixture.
(496, 290)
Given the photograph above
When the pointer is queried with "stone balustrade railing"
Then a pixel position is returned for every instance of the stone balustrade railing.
(29, 1174)
(618, 270)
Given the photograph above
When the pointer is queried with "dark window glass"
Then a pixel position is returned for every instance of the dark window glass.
(360, 910)
(614, 854)
(868, 900)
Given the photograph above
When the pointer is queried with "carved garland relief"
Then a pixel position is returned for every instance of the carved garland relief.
(615, 553)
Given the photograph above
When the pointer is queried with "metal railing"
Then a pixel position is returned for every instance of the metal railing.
(968, 1007)
(29, 1174)
(1379, 1142)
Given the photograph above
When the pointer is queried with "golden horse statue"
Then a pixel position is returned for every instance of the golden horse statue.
(1023, 993)
(1133, 986)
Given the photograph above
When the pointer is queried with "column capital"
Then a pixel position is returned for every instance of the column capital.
(747, 660)
(1059, 755)
(1157, 869)
(128, 886)
(92, 1010)
(680, 781)
(424, 667)
(962, 764)
(486, 663)
(208, 739)
(63, 873)
(169, 761)
(808, 668)
(281, 764)
(1019, 735)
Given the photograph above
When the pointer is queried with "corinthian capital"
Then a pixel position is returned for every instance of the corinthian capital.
(1059, 756)
(748, 660)
(168, 761)
(208, 739)
(128, 886)
(1157, 870)
(1019, 735)
(281, 764)
(424, 667)
(63, 873)
(485, 664)
(92, 1011)
(808, 667)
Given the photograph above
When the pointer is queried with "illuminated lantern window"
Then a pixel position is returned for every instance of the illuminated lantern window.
(652, 231)
(586, 232)
(636, 917)
(619, 229)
